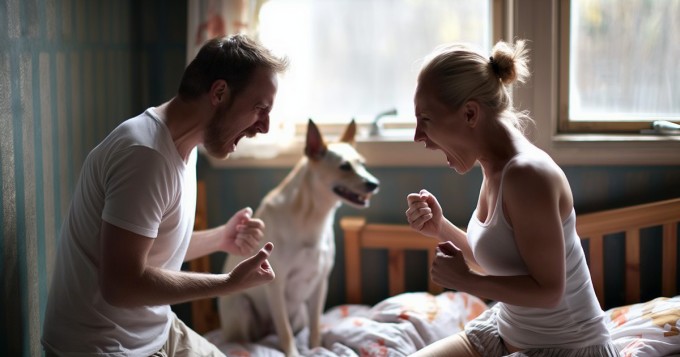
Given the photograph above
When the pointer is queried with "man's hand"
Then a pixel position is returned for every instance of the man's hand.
(242, 234)
(253, 271)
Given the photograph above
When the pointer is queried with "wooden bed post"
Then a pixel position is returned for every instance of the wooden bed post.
(669, 260)
(352, 227)
(203, 315)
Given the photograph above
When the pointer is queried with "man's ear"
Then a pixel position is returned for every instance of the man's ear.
(219, 92)
(315, 147)
(471, 112)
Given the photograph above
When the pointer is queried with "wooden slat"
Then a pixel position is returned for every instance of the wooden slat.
(623, 219)
(352, 227)
(632, 266)
(670, 259)
(394, 236)
(203, 314)
(396, 271)
(596, 265)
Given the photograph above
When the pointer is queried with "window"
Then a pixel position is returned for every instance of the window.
(619, 70)
(356, 58)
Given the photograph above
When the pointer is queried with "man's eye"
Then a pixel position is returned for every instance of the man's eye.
(346, 166)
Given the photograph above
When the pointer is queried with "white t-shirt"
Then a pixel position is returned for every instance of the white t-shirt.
(135, 179)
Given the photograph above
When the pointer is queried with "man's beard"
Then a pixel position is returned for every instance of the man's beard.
(213, 137)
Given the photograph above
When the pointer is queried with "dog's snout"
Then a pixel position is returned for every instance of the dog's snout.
(371, 185)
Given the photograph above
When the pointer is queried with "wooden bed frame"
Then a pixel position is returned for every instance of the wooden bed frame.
(591, 227)
(397, 239)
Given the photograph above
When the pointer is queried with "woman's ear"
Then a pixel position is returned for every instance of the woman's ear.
(219, 92)
(472, 111)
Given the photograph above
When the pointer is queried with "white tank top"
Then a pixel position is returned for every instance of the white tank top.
(578, 320)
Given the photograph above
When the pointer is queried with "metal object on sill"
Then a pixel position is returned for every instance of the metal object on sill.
(662, 127)
(376, 127)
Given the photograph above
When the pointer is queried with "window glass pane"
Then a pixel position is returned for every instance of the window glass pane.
(356, 58)
(623, 60)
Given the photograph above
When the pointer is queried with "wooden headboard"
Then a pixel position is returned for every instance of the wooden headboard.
(591, 227)
(397, 239)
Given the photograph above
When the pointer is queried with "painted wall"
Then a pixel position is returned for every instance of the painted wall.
(70, 71)
(594, 188)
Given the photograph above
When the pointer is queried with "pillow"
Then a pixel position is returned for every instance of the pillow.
(646, 329)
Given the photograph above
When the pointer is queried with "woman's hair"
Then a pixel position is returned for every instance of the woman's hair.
(233, 59)
(457, 73)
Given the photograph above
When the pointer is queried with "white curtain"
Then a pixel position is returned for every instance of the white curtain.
(208, 19)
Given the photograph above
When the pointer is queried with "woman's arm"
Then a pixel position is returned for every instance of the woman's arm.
(531, 201)
(425, 215)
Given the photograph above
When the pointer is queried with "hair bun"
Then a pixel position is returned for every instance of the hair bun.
(510, 63)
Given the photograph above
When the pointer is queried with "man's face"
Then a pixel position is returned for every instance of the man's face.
(243, 116)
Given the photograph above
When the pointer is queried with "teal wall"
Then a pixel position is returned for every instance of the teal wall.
(594, 188)
(71, 70)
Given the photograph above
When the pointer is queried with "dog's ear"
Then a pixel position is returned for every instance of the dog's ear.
(350, 132)
(315, 147)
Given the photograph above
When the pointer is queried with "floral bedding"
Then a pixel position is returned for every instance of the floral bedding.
(400, 325)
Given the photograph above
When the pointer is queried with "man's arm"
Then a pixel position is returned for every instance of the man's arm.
(127, 281)
(241, 235)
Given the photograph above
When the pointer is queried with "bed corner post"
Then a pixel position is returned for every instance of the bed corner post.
(352, 227)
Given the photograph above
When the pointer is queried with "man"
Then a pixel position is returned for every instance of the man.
(129, 227)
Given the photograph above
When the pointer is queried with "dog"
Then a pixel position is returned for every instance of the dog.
(299, 215)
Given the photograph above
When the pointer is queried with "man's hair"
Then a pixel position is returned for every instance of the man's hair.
(233, 59)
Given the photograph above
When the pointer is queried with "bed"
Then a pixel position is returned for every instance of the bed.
(407, 321)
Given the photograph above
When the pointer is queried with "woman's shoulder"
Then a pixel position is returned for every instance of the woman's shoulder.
(532, 170)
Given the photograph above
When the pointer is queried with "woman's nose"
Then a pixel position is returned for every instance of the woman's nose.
(419, 135)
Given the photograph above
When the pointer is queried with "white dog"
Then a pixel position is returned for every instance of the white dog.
(299, 216)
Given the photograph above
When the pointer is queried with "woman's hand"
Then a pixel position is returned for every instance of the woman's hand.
(424, 214)
(449, 268)
(253, 271)
(242, 234)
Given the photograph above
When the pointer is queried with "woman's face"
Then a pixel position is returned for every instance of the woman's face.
(445, 129)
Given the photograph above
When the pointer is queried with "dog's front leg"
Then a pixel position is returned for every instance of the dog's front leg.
(315, 307)
(276, 296)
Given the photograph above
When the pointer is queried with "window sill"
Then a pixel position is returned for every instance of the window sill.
(392, 151)
(566, 149)
(615, 149)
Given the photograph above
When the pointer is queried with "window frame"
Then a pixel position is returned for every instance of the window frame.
(566, 125)
(539, 21)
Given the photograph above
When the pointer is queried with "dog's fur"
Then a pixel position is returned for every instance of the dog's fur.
(299, 216)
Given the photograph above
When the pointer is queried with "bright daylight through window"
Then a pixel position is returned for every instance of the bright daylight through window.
(622, 72)
(356, 58)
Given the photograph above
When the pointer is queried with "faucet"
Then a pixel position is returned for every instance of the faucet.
(376, 127)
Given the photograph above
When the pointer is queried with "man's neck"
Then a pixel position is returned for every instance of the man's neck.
(186, 123)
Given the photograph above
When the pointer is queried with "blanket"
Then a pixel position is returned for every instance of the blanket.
(397, 326)
(405, 323)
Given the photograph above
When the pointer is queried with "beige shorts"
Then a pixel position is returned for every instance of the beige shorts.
(182, 342)
(185, 342)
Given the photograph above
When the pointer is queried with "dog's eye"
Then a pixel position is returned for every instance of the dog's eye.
(346, 166)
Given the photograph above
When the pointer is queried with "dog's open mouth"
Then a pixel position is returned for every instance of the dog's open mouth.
(352, 197)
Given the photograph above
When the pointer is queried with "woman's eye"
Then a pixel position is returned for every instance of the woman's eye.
(346, 166)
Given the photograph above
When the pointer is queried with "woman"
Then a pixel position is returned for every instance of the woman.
(521, 248)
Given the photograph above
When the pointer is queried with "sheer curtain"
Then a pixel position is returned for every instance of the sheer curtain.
(208, 19)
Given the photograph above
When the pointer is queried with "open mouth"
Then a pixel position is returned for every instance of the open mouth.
(360, 200)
